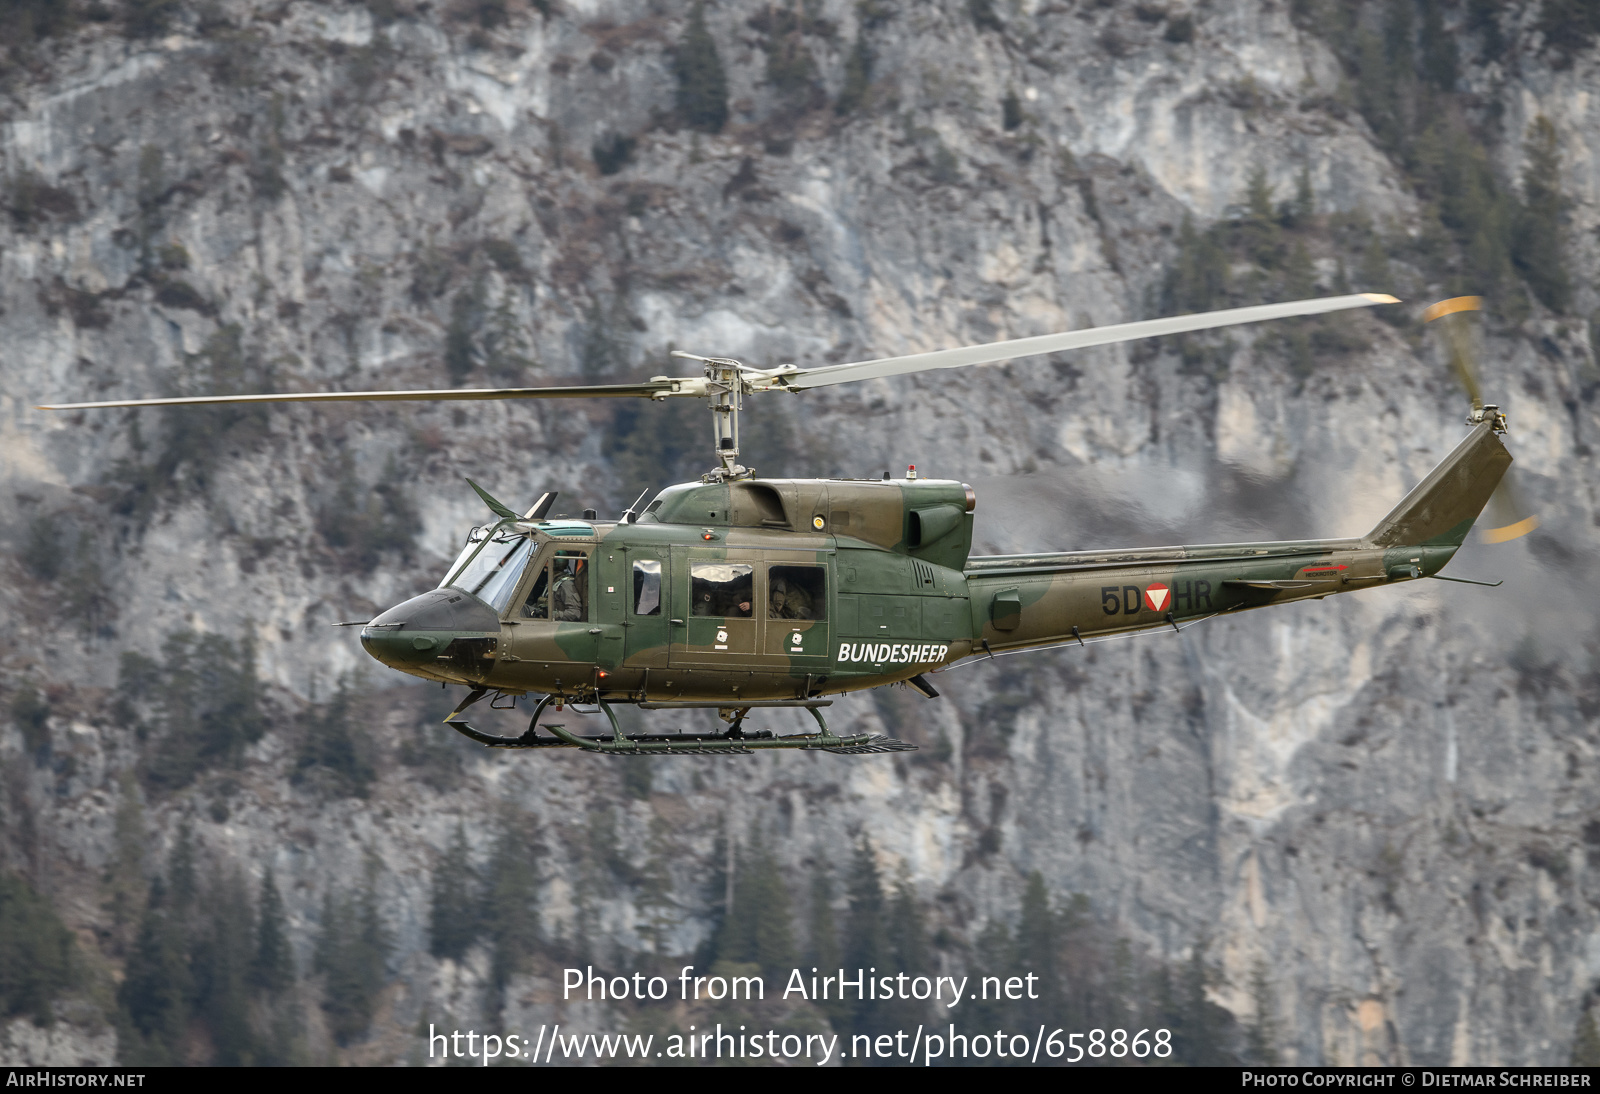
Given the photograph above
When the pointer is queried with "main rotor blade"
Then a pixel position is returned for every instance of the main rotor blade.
(647, 390)
(826, 375)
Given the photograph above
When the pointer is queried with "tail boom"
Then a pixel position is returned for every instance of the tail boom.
(1020, 601)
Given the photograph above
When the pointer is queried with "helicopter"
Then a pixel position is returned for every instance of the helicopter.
(741, 593)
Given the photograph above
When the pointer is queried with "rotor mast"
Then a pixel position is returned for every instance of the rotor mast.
(725, 386)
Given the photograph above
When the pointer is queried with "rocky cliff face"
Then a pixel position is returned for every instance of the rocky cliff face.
(1377, 814)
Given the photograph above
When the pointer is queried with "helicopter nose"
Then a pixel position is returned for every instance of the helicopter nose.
(430, 628)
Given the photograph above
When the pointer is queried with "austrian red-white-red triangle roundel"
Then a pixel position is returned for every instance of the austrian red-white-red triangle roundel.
(1156, 596)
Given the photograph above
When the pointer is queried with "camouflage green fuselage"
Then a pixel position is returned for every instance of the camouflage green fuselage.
(681, 604)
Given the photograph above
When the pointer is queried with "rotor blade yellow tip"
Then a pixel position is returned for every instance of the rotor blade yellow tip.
(1510, 531)
(1381, 298)
(1451, 306)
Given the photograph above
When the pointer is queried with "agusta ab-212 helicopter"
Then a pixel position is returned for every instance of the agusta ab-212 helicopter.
(739, 592)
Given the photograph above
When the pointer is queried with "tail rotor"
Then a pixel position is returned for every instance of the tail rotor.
(1507, 515)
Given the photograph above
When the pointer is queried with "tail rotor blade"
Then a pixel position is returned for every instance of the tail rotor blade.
(1458, 339)
(1507, 517)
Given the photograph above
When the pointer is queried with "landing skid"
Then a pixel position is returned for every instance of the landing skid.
(734, 742)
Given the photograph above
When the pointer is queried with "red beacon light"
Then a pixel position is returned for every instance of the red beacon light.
(911, 471)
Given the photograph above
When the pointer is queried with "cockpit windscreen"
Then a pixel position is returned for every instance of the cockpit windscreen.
(490, 570)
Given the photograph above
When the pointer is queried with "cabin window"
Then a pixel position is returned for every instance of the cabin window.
(721, 589)
(646, 587)
(797, 592)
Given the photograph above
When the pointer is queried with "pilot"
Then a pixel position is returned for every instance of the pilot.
(537, 605)
(566, 597)
(786, 603)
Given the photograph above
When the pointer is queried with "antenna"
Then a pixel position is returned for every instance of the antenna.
(629, 516)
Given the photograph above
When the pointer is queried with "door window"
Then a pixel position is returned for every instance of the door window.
(721, 589)
(797, 592)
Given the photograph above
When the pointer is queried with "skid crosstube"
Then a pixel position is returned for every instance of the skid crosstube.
(733, 743)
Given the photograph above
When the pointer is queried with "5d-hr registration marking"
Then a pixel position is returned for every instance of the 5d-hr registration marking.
(1182, 596)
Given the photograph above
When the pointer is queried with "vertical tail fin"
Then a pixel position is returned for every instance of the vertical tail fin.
(1440, 509)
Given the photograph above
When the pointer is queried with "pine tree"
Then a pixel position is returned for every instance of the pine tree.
(1536, 246)
(157, 996)
(866, 936)
(351, 954)
(209, 698)
(1122, 1004)
(38, 955)
(221, 963)
(154, 997)
(822, 938)
(702, 84)
(1197, 1034)
(272, 975)
(1199, 278)
(1080, 969)
(181, 872)
(857, 79)
(1038, 951)
(822, 932)
(1299, 274)
(335, 752)
(1305, 202)
(866, 941)
(761, 929)
(656, 900)
(993, 955)
(908, 941)
(272, 969)
(1586, 1047)
(716, 892)
(1261, 1036)
(791, 69)
(736, 936)
(125, 874)
(1161, 1009)
(771, 909)
(511, 902)
(453, 912)
(1260, 228)
(1375, 275)
(1440, 63)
